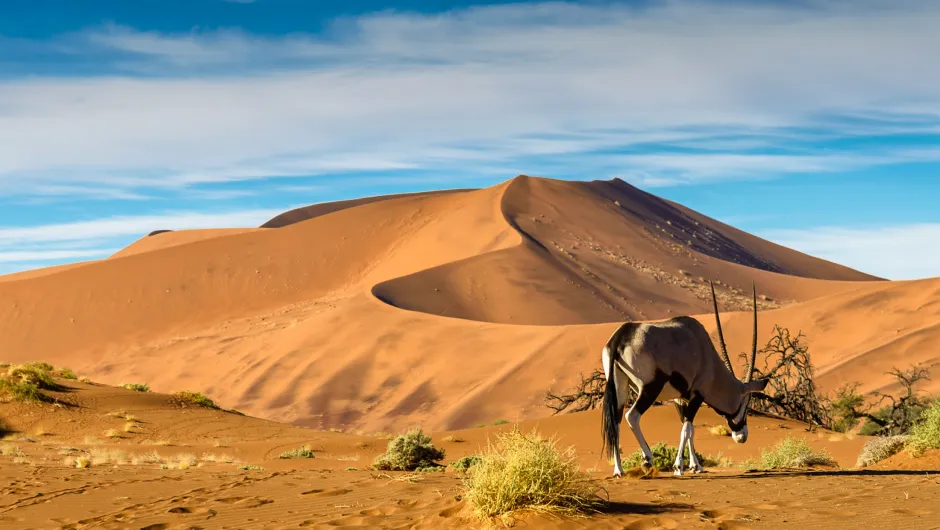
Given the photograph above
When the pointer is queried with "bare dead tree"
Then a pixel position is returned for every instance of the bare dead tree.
(587, 395)
(792, 392)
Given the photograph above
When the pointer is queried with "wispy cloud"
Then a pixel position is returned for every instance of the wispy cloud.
(31, 246)
(483, 89)
(896, 252)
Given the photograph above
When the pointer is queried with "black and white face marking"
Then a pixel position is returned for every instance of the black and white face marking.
(738, 422)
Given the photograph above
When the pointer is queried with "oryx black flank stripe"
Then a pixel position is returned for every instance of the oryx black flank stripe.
(611, 413)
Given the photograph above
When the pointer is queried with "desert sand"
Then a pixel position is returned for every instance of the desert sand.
(440, 310)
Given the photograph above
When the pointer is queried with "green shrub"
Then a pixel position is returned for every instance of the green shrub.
(195, 398)
(21, 391)
(528, 472)
(303, 452)
(500, 422)
(409, 452)
(789, 453)
(67, 373)
(137, 387)
(664, 457)
(34, 373)
(925, 434)
(464, 463)
(880, 448)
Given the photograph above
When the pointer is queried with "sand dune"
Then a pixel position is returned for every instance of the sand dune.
(185, 466)
(443, 310)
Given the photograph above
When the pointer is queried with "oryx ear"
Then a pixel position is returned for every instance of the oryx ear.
(757, 385)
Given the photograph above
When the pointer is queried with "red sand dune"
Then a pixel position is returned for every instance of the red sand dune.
(443, 309)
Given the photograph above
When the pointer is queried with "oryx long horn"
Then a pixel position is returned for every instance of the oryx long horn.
(750, 364)
(721, 338)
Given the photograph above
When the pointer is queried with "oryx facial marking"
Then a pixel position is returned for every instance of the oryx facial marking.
(673, 359)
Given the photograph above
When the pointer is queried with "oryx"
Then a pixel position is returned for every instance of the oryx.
(673, 359)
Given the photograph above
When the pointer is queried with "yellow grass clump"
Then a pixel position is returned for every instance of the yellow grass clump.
(926, 432)
(719, 430)
(789, 453)
(527, 472)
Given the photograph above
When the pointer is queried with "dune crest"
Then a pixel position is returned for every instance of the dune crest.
(442, 310)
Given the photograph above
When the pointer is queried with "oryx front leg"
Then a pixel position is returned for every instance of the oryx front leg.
(694, 465)
(685, 435)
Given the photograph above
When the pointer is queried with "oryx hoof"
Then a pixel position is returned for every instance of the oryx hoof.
(677, 471)
(696, 469)
(618, 474)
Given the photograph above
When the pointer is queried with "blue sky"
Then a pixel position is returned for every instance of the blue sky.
(815, 123)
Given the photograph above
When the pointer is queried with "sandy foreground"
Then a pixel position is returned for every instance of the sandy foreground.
(231, 476)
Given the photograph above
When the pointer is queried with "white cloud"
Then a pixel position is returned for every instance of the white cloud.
(139, 225)
(408, 91)
(902, 252)
(28, 247)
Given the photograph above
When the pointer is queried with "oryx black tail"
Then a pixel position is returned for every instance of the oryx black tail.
(611, 411)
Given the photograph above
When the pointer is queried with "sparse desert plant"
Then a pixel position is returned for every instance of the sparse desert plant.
(664, 457)
(408, 452)
(304, 452)
(719, 430)
(925, 434)
(529, 472)
(790, 453)
(136, 387)
(249, 467)
(35, 373)
(152, 457)
(363, 445)
(454, 439)
(22, 391)
(464, 463)
(10, 450)
(85, 380)
(40, 432)
(67, 373)
(80, 462)
(194, 398)
(112, 433)
(100, 457)
(352, 469)
(130, 427)
(500, 422)
(880, 448)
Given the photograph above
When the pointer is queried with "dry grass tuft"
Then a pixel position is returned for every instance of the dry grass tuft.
(527, 472)
(10, 450)
(131, 427)
(112, 433)
(304, 452)
(719, 430)
(136, 387)
(789, 453)
(193, 398)
(880, 448)
(454, 439)
(408, 452)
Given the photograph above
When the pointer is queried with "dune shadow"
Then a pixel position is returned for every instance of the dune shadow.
(641, 508)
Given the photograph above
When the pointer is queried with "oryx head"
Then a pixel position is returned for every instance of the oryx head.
(737, 419)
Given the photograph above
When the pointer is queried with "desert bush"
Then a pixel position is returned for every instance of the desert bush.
(454, 439)
(880, 448)
(790, 453)
(85, 380)
(303, 452)
(464, 463)
(195, 398)
(664, 457)
(21, 391)
(719, 430)
(67, 373)
(408, 452)
(529, 472)
(136, 387)
(34, 373)
(925, 434)
(500, 422)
